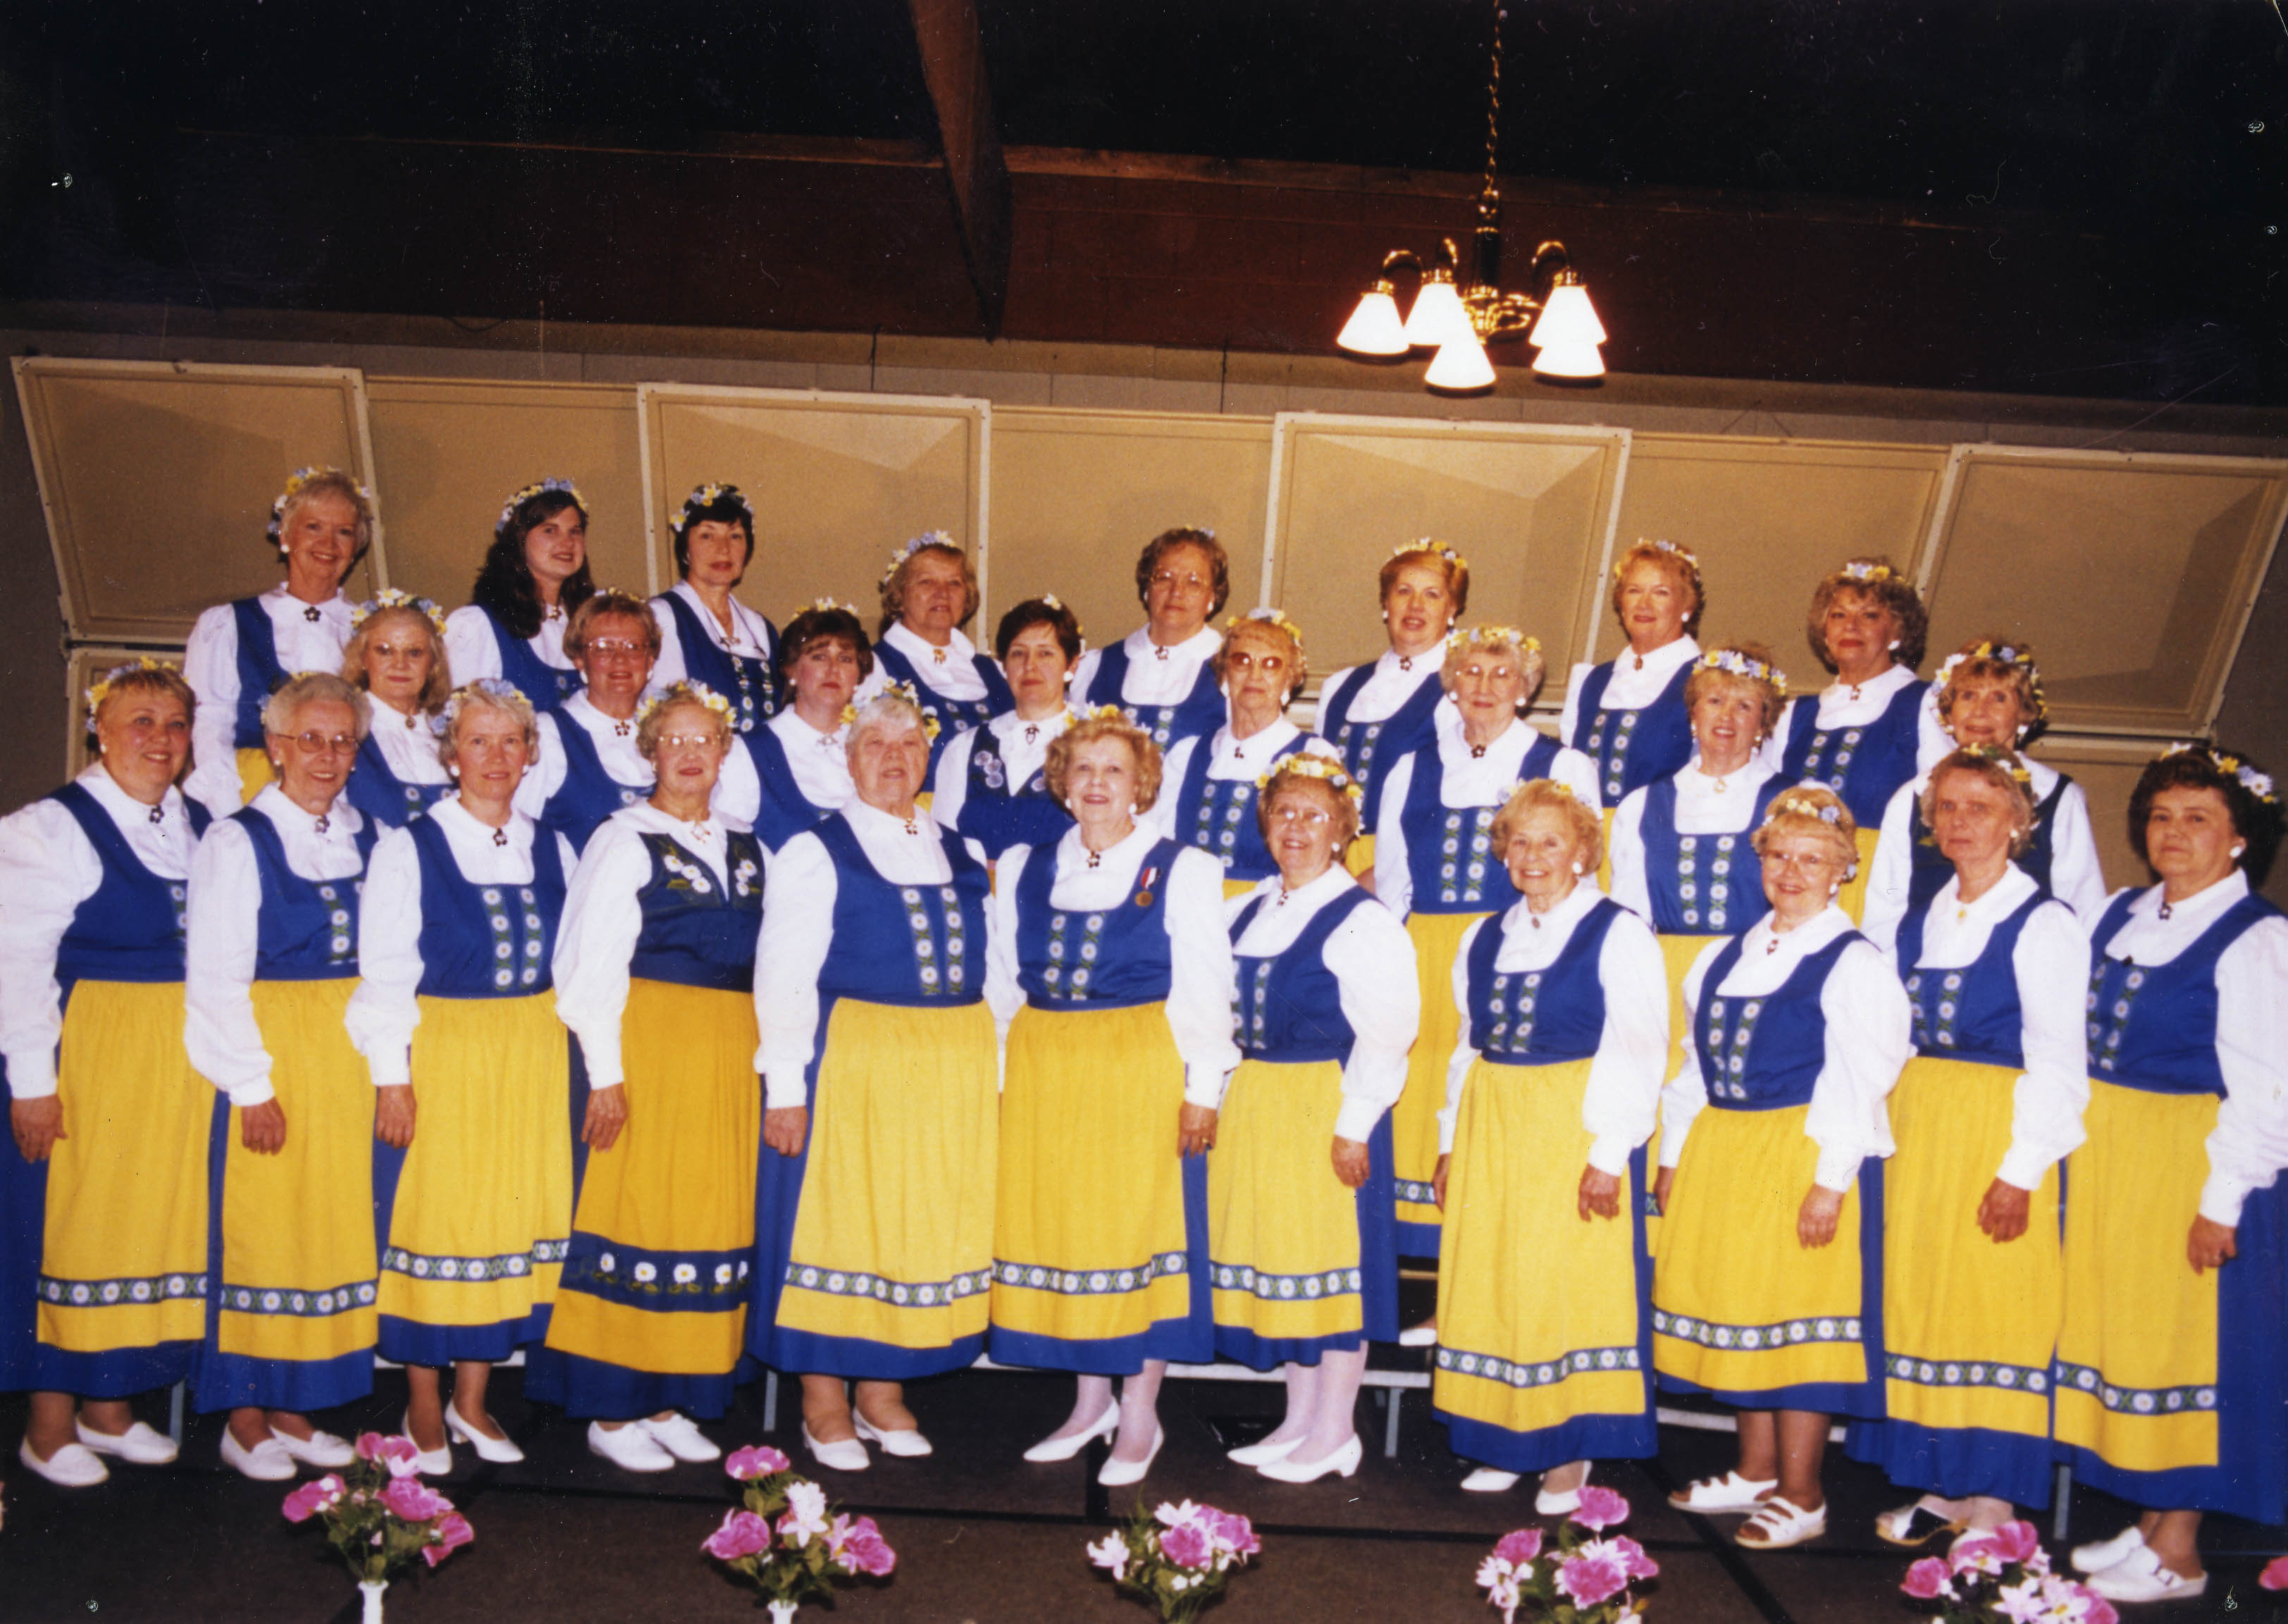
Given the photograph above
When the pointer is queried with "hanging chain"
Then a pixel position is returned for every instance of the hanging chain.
(1493, 108)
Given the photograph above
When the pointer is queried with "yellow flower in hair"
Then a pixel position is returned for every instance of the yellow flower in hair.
(99, 690)
(1732, 662)
(540, 488)
(1867, 572)
(1803, 807)
(677, 692)
(927, 538)
(1435, 549)
(1479, 635)
(397, 598)
(1660, 544)
(1309, 764)
(903, 692)
(2005, 759)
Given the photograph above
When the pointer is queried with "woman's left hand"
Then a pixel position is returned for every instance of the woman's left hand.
(1816, 1221)
(785, 1128)
(392, 1114)
(2003, 1213)
(1195, 1126)
(1601, 1195)
(2211, 1245)
(39, 1123)
(1350, 1162)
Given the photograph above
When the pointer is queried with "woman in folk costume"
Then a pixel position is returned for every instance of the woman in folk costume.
(1212, 777)
(1629, 714)
(473, 1184)
(1162, 675)
(240, 651)
(1374, 714)
(1973, 1281)
(707, 635)
(275, 896)
(1764, 1298)
(1111, 973)
(1299, 1221)
(2170, 1390)
(988, 785)
(108, 1163)
(396, 654)
(1989, 694)
(1436, 868)
(801, 757)
(534, 575)
(874, 1209)
(1545, 1325)
(928, 595)
(654, 975)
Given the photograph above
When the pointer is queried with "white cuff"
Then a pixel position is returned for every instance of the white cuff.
(1608, 1153)
(390, 1067)
(2022, 1168)
(784, 1092)
(1356, 1120)
(256, 1093)
(1204, 1087)
(32, 1076)
(1838, 1170)
(2220, 1199)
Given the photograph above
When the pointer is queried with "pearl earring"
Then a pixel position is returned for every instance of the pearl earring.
(1576, 869)
(2236, 851)
(1894, 644)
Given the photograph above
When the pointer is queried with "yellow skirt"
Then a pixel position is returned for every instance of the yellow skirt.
(481, 1213)
(1237, 888)
(657, 1278)
(1100, 1242)
(1542, 1354)
(124, 1252)
(254, 772)
(295, 1323)
(1741, 1308)
(1358, 858)
(1853, 897)
(1677, 954)
(890, 1210)
(1414, 1119)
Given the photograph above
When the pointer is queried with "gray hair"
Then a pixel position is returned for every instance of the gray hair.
(281, 709)
(891, 706)
(486, 697)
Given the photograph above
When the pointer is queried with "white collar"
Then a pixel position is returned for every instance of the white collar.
(888, 824)
(1262, 746)
(1129, 849)
(1429, 662)
(924, 653)
(337, 608)
(1807, 939)
(1311, 896)
(794, 733)
(342, 820)
(451, 816)
(1202, 645)
(1664, 661)
(1996, 903)
(124, 808)
(1875, 687)
(1008, 725)
(2201, 907)
(584, 712)
(1558, 920)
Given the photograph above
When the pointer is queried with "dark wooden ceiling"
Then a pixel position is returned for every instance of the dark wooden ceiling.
(2039, 196)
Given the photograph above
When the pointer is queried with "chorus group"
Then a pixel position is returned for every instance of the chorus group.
(665, 994)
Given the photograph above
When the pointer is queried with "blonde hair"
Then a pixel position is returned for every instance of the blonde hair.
(436, 689)
(1530, 660)
(1279, 632)
(1812, 809)
(1430, 556)
(156, 678)
(893, 586)
(679, 696)
(1771, 695)
(2004, 771)
(609, 601)
(1547, 795)
(1878, 580)
(1679, 565)
(1281, 782)
(1090, 729)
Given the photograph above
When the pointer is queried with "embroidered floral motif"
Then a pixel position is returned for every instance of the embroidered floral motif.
(299, 1303)
(129, 1290)
(472, 1271)
(1072, 962)
(1462, 878)
(2109, 1021)
(1965, 1373)
(1715, 906)
(2131, 1400)
(1816, 766)
(1088, 1282)
(1537, 1373)
(1286, 1287)
(1756, 1338)
(899, 1294)
(1512, 1031)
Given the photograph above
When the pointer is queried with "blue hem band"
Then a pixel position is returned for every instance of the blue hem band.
(591, 1389)
(236, 1381)
(1416, 1240)
(411, 1341)
(1245, 1347)
(116, 1373)
(1956, 1463)
(858, 1359)
(1858, 1401)
(1584, 1438)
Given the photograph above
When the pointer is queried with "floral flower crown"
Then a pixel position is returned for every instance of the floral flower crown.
(541, 488)
(1690, 558)
(297, 483)
(1865, 573)
(927, 538)
(1732, 662)
(677, 692)
(1056, 603)
(1478, 636)
(491, 688)
(1435, 549)
(1997, 755)
(1267, 617)
(903, 692)
(1309, 764)
(99, 690)
(398, 597)
(707, 496)
(2000, 654)
(1793, 806)
(827, 605)
(2258, 784)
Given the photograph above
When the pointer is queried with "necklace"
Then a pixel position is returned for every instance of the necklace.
(1640, 665)
(408, 718)
(937, 656)
(555, 612)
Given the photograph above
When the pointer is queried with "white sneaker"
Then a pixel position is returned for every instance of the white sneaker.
(266, 1463)
(681, 1438)
(141, 1445)
(631, 1448)
(2140, 1577)
(72, 1467)
(321, 1449)
(2102, 1553)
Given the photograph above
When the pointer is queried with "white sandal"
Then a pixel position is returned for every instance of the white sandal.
(1730, 1493)
(1779, 1523)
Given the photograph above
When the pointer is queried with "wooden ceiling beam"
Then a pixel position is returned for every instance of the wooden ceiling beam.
(953, 66)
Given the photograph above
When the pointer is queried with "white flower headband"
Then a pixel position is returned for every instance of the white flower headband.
(1479, 636)
(927, 538)
(1803, 807)
(541, 488)
(99, 690)
(1690, 558)
(397, 598)
(1436, 550)
(707, 496)
(1864, 573)
(297, 483)
(904, 693)
(1732, 662)
(2258, 784)
(827, 605)
(676, 693)
(1326, 769)
(491, 689)
(1999, 653)
(1268, 617)
(1994, 755)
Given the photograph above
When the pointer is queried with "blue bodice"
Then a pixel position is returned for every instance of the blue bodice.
(1632, 748)
(920, 945)
(692, 933)
(487, 942)
(1288, 1006)
(998, 814)
(1864, 765)
(750, 682)
(1365, 744)
(1199, 712)
(1540, 1017)
(954, 716)
(382, 796)
(307, 929)
(1970, 1013)
(588, 794)
(1703, 884)
(784, 811)
(1449, 850)
(1217, 815)
(1765, 1052)
(2154, 1026)
(1106, 958)
(526, 671)
(132, 928)
(259, 673)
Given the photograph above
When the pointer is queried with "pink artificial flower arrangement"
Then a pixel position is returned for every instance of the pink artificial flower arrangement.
(2274, 1576)
(1581, 1577)
(1178, 1557)
(381, 1516)
(2004, 1574)
(785, 1539)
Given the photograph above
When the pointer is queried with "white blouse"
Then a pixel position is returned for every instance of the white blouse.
(386, 1008)
(2249, 1146)
(603, 919)
(798, 933)
(738, 792)
(1230, 759)
(2051, 965)
(211, 666)
(1199, 955)
(1469, 780)
(820, 762)
(1870, 1038)
(1375, 985)
(48, 868)
(1841, 705)
(1392, 682)
(1701, 808)
(1621, 1104)
(2075, 877)
(1636, 681)
(1022, 746)
(951, 670)
(748, 638)
(221, 1034)
(1156, 676)
(407, 743)
(471, 651)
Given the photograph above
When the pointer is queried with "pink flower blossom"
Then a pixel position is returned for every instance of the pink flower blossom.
(1187, 1546)
(400, 1455)
(452, 1531)
(2016, 1542)
(2274, 1576)
(2023, 1603)
(1519, 1546)
(1588, 1580)
(1624, 1550)
(1601, 1507)
(312, 1498)
(1111, 1553)
(413, 1500)
(864, 1549)
(1929, 1579)
(742, 1535)
(1231, 1532)
(756, 1461)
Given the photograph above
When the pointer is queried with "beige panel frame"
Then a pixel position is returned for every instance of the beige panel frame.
(1506, 571)
(447, 484)
(151, 473)
(2107, 769)
(1768, 518)
(83, 662)
(794, 566)
(1080, 492)
(2062, 617)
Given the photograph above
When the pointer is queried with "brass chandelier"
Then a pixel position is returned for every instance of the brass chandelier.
(1458, 320)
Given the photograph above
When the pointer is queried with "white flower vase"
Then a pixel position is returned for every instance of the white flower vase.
(371, 1590)
(782, 1613)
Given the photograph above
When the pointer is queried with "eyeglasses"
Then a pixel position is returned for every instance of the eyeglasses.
(1289, 812)
(1170, 579)
(1263, 663)
(688, 741)
(315, 743)
(614, 646)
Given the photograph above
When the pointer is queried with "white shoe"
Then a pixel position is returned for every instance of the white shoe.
(429, 1463)
(1730, 1493)
(1343, 1461)
(845, 1454)
(1264, 1452)
(1050, 1449)
(72, 1467)
(267, 1461)
(141, 1445)
(2099, 1555)
(1489, 1480)
(1565, 1504)
(1119, 1474)
(321, 1449)
(630, 1448)
(681, 1438)
(908, 1444)
(2140, 1577)
(1779, 1523)
(1423, 1335)
(500, 1451)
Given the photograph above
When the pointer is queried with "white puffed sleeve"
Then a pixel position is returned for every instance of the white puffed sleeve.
(386, 1008)
(222, 936)
(1571, 716)
(211, 666)
(1200, 977)
(2076, 879)
(1163, 815)
(1464, 1057)
(1380, 992)
(596, 944)
(1933, 743)
(950, 784)
(471, 651)
(47, 869)
(797, 930)
(545, 776)
(1005, 993)
(668, 669)
(1890, 873)
(2051, 965)
(1393, 881)
(1632, 887)
(1578, 773)
(1687, 1093)
(1622, 1102)
(1870, 1040)
(2249, 1144)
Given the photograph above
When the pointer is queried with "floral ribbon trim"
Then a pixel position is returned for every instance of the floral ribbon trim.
(1088, 1283)
(2133, 1401)
(1965, 1373)
(1541, 1373)
(297, 1304)
(1756, 1338)
(1286, 1287)
(129, 1289)
(899, 1294)
(474, 1270)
